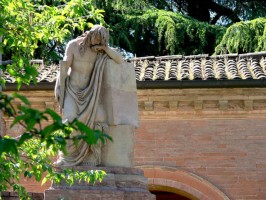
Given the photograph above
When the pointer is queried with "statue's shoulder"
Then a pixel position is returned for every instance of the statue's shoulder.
(74, 43)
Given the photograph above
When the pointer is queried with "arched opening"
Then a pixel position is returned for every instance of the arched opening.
(170, 193)
(180, 182)
(168, 196)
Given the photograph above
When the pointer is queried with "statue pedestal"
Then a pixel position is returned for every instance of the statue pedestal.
(120, 183)
(118, 101)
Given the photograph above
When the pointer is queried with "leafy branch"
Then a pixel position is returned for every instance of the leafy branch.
(28, 27)
(163, 32)
(30, 154)
(244, 37)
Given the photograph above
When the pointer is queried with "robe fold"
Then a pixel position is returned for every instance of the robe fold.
(86, 100)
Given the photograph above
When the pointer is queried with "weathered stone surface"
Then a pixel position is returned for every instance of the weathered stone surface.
(97, 195)
(5, 195)
(67, 194)
(98, 88)
(119, 153)
(119, 177)
(119, 94)
(120, 184)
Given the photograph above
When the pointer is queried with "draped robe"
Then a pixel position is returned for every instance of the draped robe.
(86, 100)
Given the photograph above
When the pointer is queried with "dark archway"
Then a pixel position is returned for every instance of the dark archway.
(167, 192)
(162, 195)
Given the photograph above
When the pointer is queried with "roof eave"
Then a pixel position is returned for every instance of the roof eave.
(201, 84)
(170, 84)
(31, 87)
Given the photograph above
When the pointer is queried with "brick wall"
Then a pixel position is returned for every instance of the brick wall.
(228, 153)
(218, 134)
(14, 196)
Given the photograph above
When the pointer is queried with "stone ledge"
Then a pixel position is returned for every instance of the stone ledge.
(122, 178)
(113, 170)
(97, 195)
(6, 195)
(121, 183)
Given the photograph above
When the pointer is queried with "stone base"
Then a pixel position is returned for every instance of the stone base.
(96, 195)
(119, 184)
(119, 153)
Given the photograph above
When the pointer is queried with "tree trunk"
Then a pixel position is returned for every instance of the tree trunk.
(223, 11)
(198, 9)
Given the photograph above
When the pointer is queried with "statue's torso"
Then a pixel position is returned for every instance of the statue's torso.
(82, 66)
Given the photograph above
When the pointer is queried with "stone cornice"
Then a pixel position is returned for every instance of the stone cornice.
(202, 103)
(217, 103)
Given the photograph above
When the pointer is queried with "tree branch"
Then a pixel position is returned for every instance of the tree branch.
(223, 11)
(200, 10)
(216, 18)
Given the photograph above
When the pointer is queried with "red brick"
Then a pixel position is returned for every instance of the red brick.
(225, 147)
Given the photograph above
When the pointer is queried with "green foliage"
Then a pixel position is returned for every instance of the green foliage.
(151, 25)
(213, 11)
(123, 6)
(179, 31)
(160, 32)
(30, 154)
(28, 27)
(244, 37)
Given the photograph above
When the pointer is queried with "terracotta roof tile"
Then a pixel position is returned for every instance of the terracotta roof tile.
(46, 74)
(201, 67)
(178, 67)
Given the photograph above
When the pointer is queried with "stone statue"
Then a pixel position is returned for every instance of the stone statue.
(98, 88)
(80, 92)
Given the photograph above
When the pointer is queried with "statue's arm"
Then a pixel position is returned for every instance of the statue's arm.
(69, 55)
(61, 80)
(116, 56)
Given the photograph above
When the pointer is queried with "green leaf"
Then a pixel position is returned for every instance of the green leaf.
(19, 82)
(27, 174)
(24, 136)
(49, 129)
(2, 67)
(20, 63)
(12, 72)
(22, 98)
(60, 140)
(44, 180)
(53, 114)
(104, 135)
(8, 146)
(90, 136)
(30, 123)
(17, 119)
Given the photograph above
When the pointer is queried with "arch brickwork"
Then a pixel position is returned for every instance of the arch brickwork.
(181, 182)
